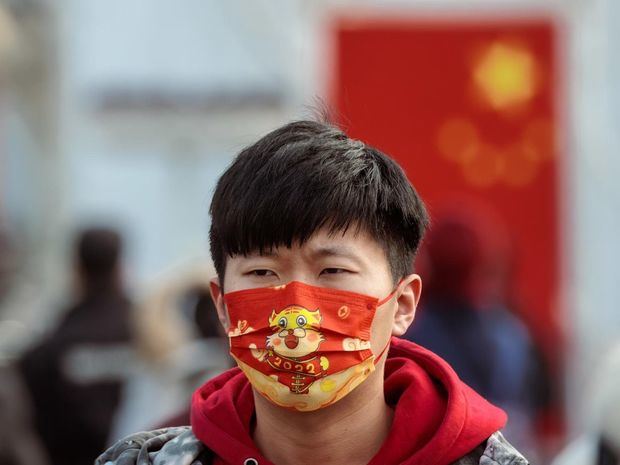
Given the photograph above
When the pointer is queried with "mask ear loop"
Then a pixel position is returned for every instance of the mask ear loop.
(376, 360)
(390, 295)
(381, 302)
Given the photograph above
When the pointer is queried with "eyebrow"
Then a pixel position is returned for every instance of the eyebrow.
(337, 251)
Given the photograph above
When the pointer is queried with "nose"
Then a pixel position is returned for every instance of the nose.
(290, 331)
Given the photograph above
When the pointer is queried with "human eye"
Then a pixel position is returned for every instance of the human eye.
(261, 272)
(334, 271)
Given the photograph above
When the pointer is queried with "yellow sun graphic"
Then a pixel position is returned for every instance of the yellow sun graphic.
(506, 75)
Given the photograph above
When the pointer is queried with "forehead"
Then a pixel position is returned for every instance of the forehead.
(355, 244)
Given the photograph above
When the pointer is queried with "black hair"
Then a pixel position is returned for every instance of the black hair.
(98, 251)
(307, 175)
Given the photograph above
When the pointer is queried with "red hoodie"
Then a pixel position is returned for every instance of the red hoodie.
(437, 418)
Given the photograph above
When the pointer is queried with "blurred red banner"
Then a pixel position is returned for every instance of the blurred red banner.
(468, 108)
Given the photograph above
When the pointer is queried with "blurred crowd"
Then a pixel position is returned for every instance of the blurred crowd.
(111, 366)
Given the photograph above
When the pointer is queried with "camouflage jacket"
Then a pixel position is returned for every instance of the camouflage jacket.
(178, 446)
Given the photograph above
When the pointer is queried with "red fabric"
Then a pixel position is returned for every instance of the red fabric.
(437, 419)
(335, 319)
(397, 83)
(301, 375)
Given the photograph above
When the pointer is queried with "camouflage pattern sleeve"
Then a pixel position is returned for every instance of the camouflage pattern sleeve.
(170, 446)
(496, 450)
(500, 451)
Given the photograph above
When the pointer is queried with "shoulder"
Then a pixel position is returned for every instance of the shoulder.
(179, 446)
(170, 446)
(495, 451)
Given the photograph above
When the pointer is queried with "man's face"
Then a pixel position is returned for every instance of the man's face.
(351, 261)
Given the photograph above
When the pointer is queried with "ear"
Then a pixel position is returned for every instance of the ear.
(408, 293)
(218, 300)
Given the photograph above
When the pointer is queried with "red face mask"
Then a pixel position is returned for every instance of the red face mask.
(302, 347)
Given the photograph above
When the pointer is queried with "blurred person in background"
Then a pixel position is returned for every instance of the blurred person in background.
(600, 443)
(74, 376)
(467, 316)
(180, 344)
(19, 445)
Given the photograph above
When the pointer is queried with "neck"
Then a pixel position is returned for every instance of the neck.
(350, 431)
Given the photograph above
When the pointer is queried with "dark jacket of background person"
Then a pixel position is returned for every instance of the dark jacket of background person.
(73, 375)
(18, 444)
(465, 317)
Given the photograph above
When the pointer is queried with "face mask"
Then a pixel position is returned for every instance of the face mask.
(302, 347)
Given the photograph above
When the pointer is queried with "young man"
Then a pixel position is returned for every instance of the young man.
(313, 237)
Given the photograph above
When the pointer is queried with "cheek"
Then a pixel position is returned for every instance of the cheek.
(312, 337)
(381, 329)
(277, 342)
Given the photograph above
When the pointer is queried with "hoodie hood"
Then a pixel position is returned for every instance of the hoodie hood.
(437, 418)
